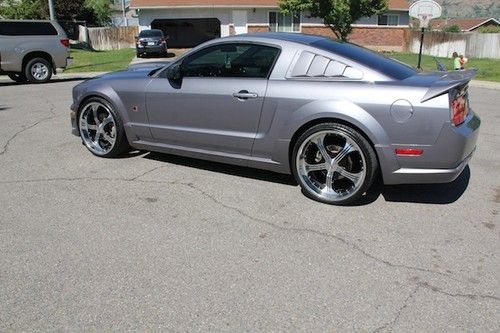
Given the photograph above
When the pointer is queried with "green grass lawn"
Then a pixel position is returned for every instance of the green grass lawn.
(100, 61)
(488, 69)
(105, 61)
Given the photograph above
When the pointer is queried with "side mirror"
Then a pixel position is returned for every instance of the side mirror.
(174, 72)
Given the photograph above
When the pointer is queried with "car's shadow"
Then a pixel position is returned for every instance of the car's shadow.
(12, 83)
(422, 193)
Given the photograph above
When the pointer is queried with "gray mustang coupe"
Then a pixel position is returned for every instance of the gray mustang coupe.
(333, 114)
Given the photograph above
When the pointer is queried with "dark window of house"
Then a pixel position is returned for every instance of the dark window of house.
(27, 28)
(231, 60)
(388, 20)
(284, 22)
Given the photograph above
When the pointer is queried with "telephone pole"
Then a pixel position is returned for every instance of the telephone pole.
(51, 10)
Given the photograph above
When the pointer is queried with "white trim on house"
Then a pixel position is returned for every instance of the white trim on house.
(485, 21)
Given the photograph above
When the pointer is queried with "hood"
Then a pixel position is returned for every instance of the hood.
(144, 66)
(135, 70)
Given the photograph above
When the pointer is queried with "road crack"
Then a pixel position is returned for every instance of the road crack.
(15, 135)
(390, 325)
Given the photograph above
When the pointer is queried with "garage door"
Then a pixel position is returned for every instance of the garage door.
(188, 32)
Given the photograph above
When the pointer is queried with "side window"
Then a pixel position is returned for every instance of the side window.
(231, 60)
(27, 29)
(314, 65)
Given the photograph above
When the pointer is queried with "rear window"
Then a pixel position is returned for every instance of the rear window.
(151, 33)
(27, 29)
(368, 58)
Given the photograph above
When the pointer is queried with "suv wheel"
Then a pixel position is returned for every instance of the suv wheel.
(18, 77)
(38, 70)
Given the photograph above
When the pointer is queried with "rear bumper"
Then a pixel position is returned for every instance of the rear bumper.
(441, 162)
(152, 49)
(429, 176)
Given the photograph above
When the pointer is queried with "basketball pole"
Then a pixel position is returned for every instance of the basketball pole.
(421, 46)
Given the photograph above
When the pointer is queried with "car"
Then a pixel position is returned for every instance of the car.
(335, 115)
(31, 50)
(151, 42)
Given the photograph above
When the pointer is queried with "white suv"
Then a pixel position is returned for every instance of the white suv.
(32, 50)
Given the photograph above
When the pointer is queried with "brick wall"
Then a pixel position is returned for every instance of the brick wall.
(257, 28)
(379, 38)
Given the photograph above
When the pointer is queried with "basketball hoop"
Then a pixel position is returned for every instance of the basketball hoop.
(424, 20)
(424, 11)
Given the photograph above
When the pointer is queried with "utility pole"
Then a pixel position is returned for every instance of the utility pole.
(51, 10)
(124, 14)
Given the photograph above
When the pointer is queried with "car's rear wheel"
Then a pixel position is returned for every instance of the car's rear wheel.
(18, 77)
(334, 163)
(38, 70)
(101, 128)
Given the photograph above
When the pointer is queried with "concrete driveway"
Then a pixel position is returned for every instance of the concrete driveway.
(157, 242)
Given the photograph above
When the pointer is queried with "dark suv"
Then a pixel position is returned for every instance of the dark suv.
(151, 42)
(32, 50)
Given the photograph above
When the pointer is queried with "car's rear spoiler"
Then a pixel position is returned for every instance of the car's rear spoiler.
(448, 81)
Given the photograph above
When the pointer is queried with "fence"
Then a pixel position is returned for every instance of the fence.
(470, 44)
(109, 38)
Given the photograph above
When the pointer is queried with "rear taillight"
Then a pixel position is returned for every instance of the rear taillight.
(65, 42)
(459, 107)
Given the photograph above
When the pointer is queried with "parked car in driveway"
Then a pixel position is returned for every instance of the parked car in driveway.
(333, 114)
(151, 42)
(30, 51)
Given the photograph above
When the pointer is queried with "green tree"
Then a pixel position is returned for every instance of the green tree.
(101, 10)
(21, 9)
(337, 14)
(453, 28)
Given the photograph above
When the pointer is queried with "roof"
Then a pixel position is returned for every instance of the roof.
(465, 24)
(393, 4)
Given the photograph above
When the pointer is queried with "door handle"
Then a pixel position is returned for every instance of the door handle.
(244, 94)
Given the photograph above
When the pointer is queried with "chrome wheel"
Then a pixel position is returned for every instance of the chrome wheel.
(39, 71)
(331, 165)
(97, 128)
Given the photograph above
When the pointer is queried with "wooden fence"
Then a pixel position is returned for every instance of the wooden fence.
(470, 44)
(109, 38)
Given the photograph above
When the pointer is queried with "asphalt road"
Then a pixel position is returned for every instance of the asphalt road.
(156, 242)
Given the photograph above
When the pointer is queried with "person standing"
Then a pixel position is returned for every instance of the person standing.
(456, 61)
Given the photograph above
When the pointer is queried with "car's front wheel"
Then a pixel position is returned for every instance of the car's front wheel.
(334, 163)
(101, 128)
(38, 70)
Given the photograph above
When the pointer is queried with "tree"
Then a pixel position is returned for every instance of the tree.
(453, 28)
(337, 14)
(21, 9)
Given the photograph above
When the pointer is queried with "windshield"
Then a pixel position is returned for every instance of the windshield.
(151, 33)
(368, 58)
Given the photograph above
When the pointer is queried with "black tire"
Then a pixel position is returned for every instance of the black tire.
(47, 72)
(121, 145)
(17, 77)
(370, 159)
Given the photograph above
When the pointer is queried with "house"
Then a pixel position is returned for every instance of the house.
(190, 22)
(465, 24)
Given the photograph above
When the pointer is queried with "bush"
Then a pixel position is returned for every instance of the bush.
(453, 28)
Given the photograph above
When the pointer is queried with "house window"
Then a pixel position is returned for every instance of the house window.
(388, 20)
(284, 22)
